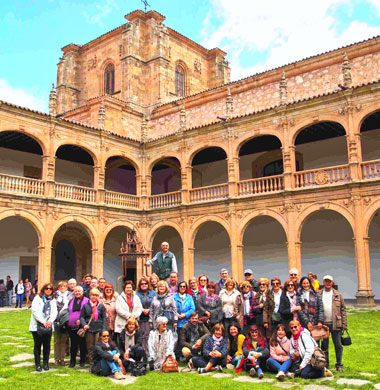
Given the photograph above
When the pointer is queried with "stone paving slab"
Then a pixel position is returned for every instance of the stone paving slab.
(127, 381)
(367, 374)
(327, 378)
(22, 346)
(377, 386)
(21, 357)
(221, 375)
(84, 370)
(355, 382)
(23, 364)
(43, 371)
(253, 380)
(285, 385)
(316, 387)
(8, 343)
(62, 374)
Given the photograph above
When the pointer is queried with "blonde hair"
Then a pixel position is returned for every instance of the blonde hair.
(131, 320)
(62, 283)
(163, 283)
(264, 280)
(246, 283)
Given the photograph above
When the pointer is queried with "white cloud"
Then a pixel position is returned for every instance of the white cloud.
(104, 9)
(21, 97)
(376, 4)
(277, 32)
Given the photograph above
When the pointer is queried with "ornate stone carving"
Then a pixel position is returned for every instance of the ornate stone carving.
(345, 109)
(230, 133)
(346, 70)
(144, 132)
(290, 206)
(283, 90)
(101, 115)
(322, 177)
(182, 119)
(284, 121)
(197, 66)
(53, 101)
(92, 63)
(144, 223)
(367, 200)
(229, 104)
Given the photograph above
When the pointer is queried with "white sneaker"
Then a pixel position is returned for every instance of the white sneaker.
(290, 375)
(280, 376)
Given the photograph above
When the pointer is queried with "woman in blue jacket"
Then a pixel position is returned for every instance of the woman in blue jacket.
(185, 304)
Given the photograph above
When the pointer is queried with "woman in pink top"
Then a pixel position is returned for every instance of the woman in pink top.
(109, 302)
(280, 360)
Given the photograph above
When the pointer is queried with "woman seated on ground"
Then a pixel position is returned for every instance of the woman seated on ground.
(93, 319)
(235, 344)
(106, 357)
(280, 360)
(210, 307)
(248, 296)
(255, 351)
(311, 312)
(214, 352)
(302, 347)
(130, 344)
(160, 344)
(288, 305)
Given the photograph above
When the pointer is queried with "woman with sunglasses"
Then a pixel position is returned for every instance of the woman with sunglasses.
(277, 292)
(202, 283)
(288, 308)
(109, 302)
(210, 307)
(146, 295)
(184, 303)
(255, 351)
(248, 296)
(106, 359)
(311, 312)
(44, 312)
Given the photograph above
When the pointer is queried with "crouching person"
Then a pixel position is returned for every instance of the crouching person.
(302, 347)
(130, 344)
(214, 352)
(192, 336)
(160, 344)
(106, 357)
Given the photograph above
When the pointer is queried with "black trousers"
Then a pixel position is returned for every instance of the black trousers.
(75, 343)
(43, 341)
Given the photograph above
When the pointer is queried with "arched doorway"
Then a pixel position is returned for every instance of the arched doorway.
(327, 247)
(212, 250)
(71, 253)
(166, 176)
(120, 175)
(18, 249)
(169, 234)
(265, 249)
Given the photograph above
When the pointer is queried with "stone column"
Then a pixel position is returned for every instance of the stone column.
(99, 181)
(289, 161)
(188, 262)
(232, 184)
(97, 262)
(364, 295)
(185, 194)
(44, 264)
(48, 174)
(236, 249)
(294, 244)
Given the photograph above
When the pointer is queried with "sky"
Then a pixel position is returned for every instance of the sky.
(257, 35)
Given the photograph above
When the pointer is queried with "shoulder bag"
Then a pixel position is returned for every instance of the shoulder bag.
(170, 365)
(42, 331)
(81, 331)
(346, 340)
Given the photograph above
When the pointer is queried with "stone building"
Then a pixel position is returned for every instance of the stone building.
(145, 132)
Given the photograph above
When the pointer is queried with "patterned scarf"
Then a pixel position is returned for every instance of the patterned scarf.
(211, 301)
(295, 338)
(160, 348)
(129, 302)
(217, 341)
(94, 307)
(129, 340)
(47, 308)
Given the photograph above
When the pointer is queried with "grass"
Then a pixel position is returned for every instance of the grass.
(361, 357)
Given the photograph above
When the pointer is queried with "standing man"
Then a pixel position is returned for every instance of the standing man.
(9, 287)
(224, 275)
(335, 318)
(248, 276)
(173, 283)
(163, 263)
(294, 276)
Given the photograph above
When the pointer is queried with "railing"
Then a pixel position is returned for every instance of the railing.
(205, 194)
(121, 200)
(261, 185)
(371, 170)
(21, 185)
(70, 192)
(323, 176)
(169, 199)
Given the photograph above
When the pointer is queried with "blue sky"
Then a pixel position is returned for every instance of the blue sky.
(257, 35)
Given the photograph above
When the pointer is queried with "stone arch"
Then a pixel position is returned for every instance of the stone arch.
(27, 132)
(117, 223)
(207, 218)
(154, 230)
(163, 157)
(259, 213)
(303, 216)
(241, 141)
(198, 149)
(369, 214)
(79, 144)
(321, 118)
(364, 113)
(130, 159)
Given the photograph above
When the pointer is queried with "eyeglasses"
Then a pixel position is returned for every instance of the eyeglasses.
(48, 288)
(254, 331)
(182, 286)
(143, 284)
(290, 285)
(262, 284)
(105, 336)
(108, 289)
(294, 327)
(293, 274)
(275, 284)
(203, 280)
(245, 286)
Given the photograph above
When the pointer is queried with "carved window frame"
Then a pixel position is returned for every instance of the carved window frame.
(180, 79)
(109, 79)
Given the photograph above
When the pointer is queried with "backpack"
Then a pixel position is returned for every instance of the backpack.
(138, 369)
(318, 359)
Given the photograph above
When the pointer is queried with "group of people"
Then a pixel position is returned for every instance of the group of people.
(256, 326)
(23, 289)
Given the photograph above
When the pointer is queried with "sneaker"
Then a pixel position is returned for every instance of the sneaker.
(290, 375)
(72, 365)
(328, 373)
(201, 370)
(219, 368)
(280, 376)
(252, 372)
(230, 366)
(118, 375)
(260, 373)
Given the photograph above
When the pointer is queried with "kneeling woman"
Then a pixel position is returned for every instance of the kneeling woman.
(160, 344)
(255, 351)
(280, 360)
(214, 352)
(130, 344)
(106, 357)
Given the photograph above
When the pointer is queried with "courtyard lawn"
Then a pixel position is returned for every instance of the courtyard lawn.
(361, 358)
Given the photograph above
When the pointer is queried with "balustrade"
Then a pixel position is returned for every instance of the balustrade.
(169, 199)
(323, 176)
(70, 192)
(21, 185)
(205, 194)
(261, 185)
(119, 199)
(371, 170)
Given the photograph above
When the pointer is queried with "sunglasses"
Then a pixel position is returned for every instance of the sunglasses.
(254, 331)
(182, 286)
(105, 336)
(293, 274)
(262, 284)
(203, 280)
(108, 289)
(275, 284)
(143, 284)
(245, 286)
(290, 285)
(48, 288)
(294, 327)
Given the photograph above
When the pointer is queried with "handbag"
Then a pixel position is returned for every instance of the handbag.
(42, 331)
(346, 340)
(170, 365)
(320, 333)
(138, 369)
(81, 331)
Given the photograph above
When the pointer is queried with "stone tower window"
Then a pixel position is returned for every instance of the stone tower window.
(109, 79)
(180, 81)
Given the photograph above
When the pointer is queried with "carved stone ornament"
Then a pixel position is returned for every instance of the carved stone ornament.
(92, 62)
(322, 177)
(367, 200)
(290, 206)
(197, 66)
(144, 224)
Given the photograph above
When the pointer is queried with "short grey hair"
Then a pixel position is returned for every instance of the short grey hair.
(161, 320)
(72, 280)
(80, 288)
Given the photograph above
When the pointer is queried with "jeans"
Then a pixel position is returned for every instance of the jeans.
(235, 360)
(279, 366)
(310, 372)
(19, 299)
(38, 342)
(201, 361)
(336, 337)
(107, 366)
(9, 297)
(3, 300)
